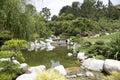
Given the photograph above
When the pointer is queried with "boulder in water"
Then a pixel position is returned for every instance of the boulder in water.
(81, 56)
(69, 54)
(61, 69)
(37, 68)
(30, 76)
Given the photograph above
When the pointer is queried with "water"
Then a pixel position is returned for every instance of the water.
(43, 57)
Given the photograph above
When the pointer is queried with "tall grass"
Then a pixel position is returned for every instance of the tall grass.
(50, 75)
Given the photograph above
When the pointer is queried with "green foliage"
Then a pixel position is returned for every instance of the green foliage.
(9, 71)
(14, 45)
(21, 19)
(5, 35)
(113, 76)
(99, 43)
(114, 51)
(87, 44)
(97, 50)
(46, 13)
(50, 75)
(10, 49)
(6, 54)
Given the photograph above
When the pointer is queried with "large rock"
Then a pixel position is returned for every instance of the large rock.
(81, 56)
(24, 66)
(111, 65)
(37, 68)
(30, 76)
(61, 69)
(93, 64)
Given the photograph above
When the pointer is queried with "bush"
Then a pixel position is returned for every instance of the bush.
(49, 75)
(113, 76)
(87, 44)
(99, 43)
(100, 57)
(114, 51)
(11, 49)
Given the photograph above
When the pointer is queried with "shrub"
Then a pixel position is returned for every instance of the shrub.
(114, 51)
(100, 57)
(87, 44)
(113, 76)
(11, 49)
(49, 75)
(99, 43)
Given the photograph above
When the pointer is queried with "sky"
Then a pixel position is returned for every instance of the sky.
(56, 5)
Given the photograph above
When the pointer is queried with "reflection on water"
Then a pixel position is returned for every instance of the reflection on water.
(54, 57)
(54, 64)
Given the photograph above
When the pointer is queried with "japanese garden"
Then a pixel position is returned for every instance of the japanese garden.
(82, 42)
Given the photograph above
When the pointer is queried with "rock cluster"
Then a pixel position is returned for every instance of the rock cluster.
(107, 65)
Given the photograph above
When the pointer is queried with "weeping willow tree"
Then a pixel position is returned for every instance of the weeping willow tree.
(21, 19)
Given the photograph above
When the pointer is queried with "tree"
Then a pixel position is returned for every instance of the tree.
(21, 21)
(11, 50)
(76, 9)
(30, 8)
(45, 13)
(66, 10)
(88, 8)
(54, 18)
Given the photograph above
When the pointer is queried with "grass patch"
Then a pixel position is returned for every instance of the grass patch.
(113, 76)
(104, 38)
(49, 75)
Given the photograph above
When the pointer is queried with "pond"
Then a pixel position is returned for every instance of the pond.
(43, 57)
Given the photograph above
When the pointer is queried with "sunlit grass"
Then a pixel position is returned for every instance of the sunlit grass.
(113, 76)
(50, 75)
(104, 38)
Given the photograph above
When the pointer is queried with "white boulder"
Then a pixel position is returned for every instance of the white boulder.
(37, 68)
(61, 69)
(24, 66)
(69, 54)
(16, 62)
(30, 76)
(111, 65)
(49, 46)
(42, 43)
(71, 76)
(5, 59)
(49, 40)
(93, 64)
(81, 56)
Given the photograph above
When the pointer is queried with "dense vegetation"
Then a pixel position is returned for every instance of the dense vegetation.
(20, 20)
(89, 18)
(10, 51)
(106, 46)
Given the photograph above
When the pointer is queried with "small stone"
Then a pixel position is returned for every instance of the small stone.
(71, 76)
(69, 54)
(89, 74)
(80, 75)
